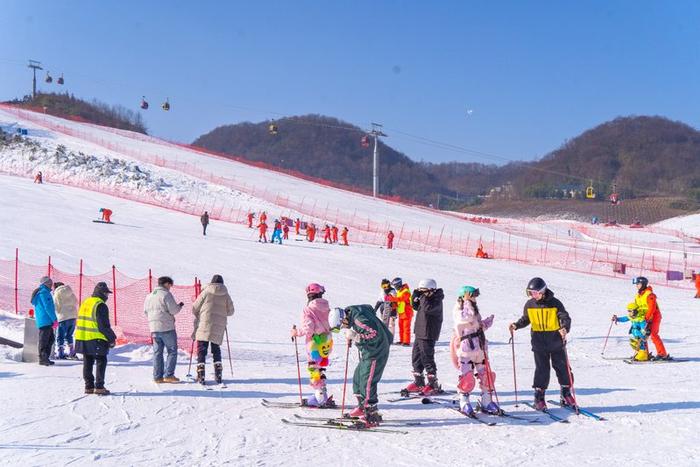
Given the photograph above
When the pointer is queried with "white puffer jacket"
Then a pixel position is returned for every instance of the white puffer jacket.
(66, 303)
(160, 307)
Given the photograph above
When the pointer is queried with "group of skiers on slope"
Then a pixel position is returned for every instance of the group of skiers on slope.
(281, 230)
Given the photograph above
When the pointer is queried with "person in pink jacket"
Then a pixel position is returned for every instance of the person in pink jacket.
(469, 352)
(319, 343)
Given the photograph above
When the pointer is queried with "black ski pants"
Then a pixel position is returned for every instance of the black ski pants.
(98, 380)
(424, 356)
(204, 228)
(542, 365)
(202, 347)
(46, 340)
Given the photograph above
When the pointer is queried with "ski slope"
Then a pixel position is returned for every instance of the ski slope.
(652, 410)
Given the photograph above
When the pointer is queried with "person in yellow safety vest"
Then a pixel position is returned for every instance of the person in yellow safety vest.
(94, 337)
(404, 310)
(645, 303)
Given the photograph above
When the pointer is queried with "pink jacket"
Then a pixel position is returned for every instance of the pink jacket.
(314, 319)
(467, 320)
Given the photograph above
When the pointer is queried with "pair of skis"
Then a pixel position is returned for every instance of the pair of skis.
(452, 405)
(576, 410)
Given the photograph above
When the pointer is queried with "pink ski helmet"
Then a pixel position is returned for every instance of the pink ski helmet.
(315, 288)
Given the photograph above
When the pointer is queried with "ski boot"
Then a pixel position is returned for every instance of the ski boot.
(415, 387)
(61, 354)
(567, 399)
(218, 372)
(662, 357)
(488, 405)
(371, 416)
(200, 373)
(320, 399)
(465, 406)
(433, 387)
(539, 402)
(358, 411)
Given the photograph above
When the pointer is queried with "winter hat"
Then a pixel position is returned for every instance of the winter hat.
(57, 285)
(217, 279)
(101, 289)
(46, 280)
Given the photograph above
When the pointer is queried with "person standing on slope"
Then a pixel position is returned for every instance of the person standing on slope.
(373, 341)
(285, 231)
(204, 219)
(697, 285)
(387, 307)
(262, 232)
(251, 216)
(45, 316)
(66, 305)
(468, 350)
(277, 232)
(637, 332)
(94, 337)
(334, 234)
(160, 308)
(427, 302)
(319, 343)
(404, 310)
(645, 303)
(344, 236)
(211, 311)
(390, 240)
(297, 226)
(550, 325)
(327, 234)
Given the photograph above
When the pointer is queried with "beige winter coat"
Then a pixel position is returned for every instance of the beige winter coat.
(210, 310)
(66, 303)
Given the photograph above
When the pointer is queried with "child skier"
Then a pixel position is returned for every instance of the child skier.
(638, 330)
(319, 343)
(262, 232)
(404, 310)
(277, 232)
(645, 302)
(387, 307)
(373, 340)
(469, 351)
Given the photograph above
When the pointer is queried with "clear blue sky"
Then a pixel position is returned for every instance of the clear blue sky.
(534, 73)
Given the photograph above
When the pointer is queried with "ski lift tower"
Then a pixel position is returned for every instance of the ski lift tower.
(34, 65)
(376, 133)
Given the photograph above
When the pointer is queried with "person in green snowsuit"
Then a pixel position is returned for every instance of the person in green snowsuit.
(373, 339)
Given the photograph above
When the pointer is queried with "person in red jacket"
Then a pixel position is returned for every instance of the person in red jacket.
(390, 240)
(106, 214)
(310, 232)
(344, 236)
(334, 234)
(285, 232)
(327, 234)
(645, 302)
(262, 229)
(263, 217)
(480, 253)
(39, 178)
(697, 285)
(251, 216)
(297, 226)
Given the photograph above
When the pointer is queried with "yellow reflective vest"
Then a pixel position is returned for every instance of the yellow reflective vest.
(86, 328)
(403, 300)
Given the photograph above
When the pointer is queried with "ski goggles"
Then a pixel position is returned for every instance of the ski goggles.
(532, 293)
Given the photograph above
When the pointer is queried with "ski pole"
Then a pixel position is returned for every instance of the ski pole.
(189, 367)
(515, 379)
(296, 349)
(571, 377)
(230, 362)
(345, 379)
(488, 377)
(606, 337)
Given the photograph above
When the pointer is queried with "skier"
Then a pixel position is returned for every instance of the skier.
(297, 226)
(645, 303)
(160, 308)
(285, 232)
(387, 307)
(310, 232)
(211, 311)
(638, 332)
(468, 349)
(427, 301)
(334, 234)
(327, 234)
(45, 316)
(550, 325)
(344, 236)
(251, 216)
(319, 343)
(94, 337)
(263, 217)
(39, 178)
(66, 305)
(277, 232)
(390, 240)
(106, 214)
(404, 310)
(204, 219)
(373, 340)
(262, 230)
(697, 285)
(480, 253)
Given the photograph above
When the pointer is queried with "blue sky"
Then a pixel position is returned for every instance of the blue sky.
(533, 73)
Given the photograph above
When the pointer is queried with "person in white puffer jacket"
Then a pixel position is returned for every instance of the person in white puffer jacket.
(469, 349)
(66, 304)
(160, 308)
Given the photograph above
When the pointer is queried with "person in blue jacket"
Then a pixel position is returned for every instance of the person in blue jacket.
(45, 316)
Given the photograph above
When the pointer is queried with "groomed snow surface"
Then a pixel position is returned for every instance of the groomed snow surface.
(652, 410)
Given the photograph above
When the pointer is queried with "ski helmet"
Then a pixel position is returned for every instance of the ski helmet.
(536, 284)
(315, 288)
(335, 318)
(641, 280)
(427, 284)
(396, 282)
(468, 289)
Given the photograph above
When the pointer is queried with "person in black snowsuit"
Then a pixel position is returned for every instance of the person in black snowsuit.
(427, 304)
(550, 323)
(204, 219)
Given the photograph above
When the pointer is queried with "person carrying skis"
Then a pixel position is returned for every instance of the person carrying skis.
(251, 216)
(390, 240)
(638, 332)
(550, 325)
(469, 352)
(66, 305)
(387, 307)
(427, 301)
(204, 219)
(106, 214)
(404, 310)
(45, 318)
(373, 341)
(344, 236)
(645, 303)
(285, 231)
(319, 343)
(327, 234)
(94, 337)
(211, 311)
(160, 308)
(262, 232)
(277, 232)
(334, 234)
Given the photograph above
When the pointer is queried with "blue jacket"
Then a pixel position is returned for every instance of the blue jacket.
(44, 310)
(638, 328)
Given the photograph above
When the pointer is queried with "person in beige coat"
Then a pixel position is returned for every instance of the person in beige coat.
(66, 304)
(211, 311)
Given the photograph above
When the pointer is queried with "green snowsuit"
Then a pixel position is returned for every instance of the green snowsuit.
(374, 341)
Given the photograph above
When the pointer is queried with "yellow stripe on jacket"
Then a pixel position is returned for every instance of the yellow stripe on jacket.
(543, 319)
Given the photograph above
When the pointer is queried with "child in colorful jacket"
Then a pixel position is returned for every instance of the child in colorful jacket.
(638, 332)
(319, 343)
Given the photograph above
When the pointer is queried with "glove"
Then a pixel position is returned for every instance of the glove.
(512, 327)
(294, 332)
(562, 331)
(647, 331)
(350, 334)
(54, 325)
(614, 319)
